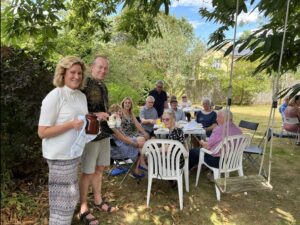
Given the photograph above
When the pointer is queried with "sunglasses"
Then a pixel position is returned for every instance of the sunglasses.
(166, 119)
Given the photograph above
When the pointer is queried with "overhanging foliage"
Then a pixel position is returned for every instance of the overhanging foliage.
(265, 42)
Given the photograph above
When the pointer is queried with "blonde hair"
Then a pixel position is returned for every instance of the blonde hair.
(123, 101)
(171, 113)
(130, 110)
(61, 68)
(115, 108)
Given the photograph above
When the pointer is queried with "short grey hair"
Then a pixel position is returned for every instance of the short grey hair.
(206, 100)
(101, 57)
(226, 112)
(159, 82)
(150, 97)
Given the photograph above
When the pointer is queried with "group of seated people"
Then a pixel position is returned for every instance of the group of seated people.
(129, 138)
(290, 113)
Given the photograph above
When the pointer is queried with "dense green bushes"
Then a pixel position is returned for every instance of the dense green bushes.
(25, 80)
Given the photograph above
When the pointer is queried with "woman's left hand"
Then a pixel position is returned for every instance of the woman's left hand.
(77, 124)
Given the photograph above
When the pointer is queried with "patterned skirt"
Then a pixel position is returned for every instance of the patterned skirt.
(63, 190)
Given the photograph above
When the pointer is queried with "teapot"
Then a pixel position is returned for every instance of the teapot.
(114, 121)
(92, 124)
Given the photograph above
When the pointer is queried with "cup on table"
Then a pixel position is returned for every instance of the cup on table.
(158, 122)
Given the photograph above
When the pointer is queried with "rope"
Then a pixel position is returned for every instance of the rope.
(225, 132)
(275, 92)
(274, 103)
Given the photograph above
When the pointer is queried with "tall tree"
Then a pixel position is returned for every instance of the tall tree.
(265, 42)
(175, 53)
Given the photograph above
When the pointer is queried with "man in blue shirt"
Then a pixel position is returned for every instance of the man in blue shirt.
(160, 97)
(148, 116)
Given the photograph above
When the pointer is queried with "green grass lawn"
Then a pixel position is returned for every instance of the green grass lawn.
(279, 206)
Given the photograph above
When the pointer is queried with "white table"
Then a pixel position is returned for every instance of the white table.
(190, 109)
(189, 128)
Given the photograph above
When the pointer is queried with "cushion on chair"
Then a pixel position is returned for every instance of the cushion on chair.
(253, 149)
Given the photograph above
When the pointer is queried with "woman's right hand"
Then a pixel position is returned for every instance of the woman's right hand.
(77, 124)
(102, 115)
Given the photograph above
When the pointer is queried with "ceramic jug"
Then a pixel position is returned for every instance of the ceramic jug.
(92, 124)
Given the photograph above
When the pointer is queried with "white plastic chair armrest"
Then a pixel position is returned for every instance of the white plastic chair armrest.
(206, 151)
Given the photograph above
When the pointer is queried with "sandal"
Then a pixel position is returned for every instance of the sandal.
(103, 203)
(88, 221)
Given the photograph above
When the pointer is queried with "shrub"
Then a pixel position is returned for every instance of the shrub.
(25, 80)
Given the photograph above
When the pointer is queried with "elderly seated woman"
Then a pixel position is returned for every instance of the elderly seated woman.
(127, 147)
(175, 133)
(207, 117)
(214, 140)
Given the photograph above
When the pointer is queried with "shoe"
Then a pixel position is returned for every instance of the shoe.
(137, 176)
(143, 168)
(118, 171)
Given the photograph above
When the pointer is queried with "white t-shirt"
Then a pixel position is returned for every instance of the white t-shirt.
(59, 106)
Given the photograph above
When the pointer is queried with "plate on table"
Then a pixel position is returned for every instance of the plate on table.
(198, 125)
(163, 129)
(187, 109)
(181, 124)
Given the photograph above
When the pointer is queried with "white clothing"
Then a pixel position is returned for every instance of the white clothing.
(61, 105)
(82, 138)
(185, 104)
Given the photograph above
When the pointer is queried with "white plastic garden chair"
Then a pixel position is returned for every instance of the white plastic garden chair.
(164, 164)
(231, 158)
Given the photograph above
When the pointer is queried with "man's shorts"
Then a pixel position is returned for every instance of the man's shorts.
(95, 153)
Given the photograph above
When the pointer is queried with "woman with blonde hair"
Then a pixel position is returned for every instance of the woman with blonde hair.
(130, 124)
(58, 127)
(126, 146)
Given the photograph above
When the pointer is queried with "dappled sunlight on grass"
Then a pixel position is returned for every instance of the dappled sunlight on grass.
(200, 207)
(285, 215)
(214, 219)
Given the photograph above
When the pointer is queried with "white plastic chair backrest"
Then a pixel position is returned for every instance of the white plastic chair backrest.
(291, 120)
(232, 150)
(164, 157)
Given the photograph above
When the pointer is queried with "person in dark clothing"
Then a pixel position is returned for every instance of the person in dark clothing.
(96, 154)
(207, 117)
(160, 96)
